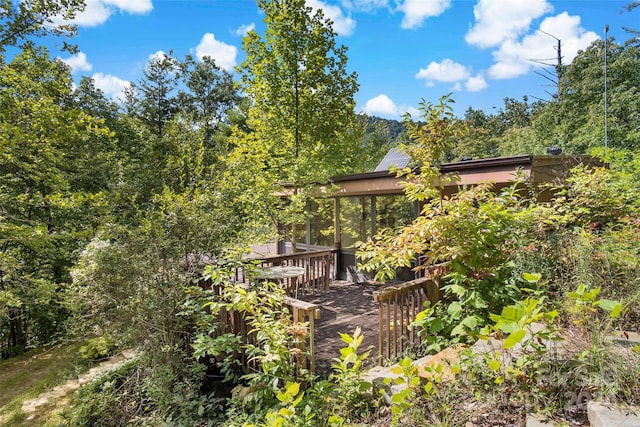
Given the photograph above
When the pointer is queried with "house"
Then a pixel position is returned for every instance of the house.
(352, 208)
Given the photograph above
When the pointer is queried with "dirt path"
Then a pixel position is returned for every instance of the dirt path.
(60, 392)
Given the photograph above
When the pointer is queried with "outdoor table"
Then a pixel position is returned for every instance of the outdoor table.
(280, 273)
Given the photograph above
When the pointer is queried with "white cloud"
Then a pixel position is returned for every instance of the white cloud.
(383, 105)
(510, 61)
(95, 13)
(78, 62)
(224, 54)
(475, 83)
(111, 85)
(343, 25)
(98, 11)
(365, 5)
(413, 111)
(416, 11)
(131, 6)
(242, 30)
(500, 20)
(445, 71)
(449, 71)
(515, 58)
(158, 55)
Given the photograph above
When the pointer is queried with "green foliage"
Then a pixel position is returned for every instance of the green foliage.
(602, 195)
(342, 399)
(302, 124)
(584, 304)
(376, 141)
(21, 22)
(210, 96)
(520, 127)
(351, 396)
(138, 282)
(98, 347)
(487, 242)
(55, 170)
(430, 140)
(139, 201)
(157, 102)
(582, 105)
(99, 403)
(288, 415)
(573, 119)
(474, 232)
(408, 378)
(302, 92)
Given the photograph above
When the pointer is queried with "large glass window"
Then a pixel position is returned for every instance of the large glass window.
(394, 212)
(355, 220)
(321, 226)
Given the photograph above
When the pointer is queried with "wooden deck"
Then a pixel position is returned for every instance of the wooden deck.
(344, 307)
(383, 312)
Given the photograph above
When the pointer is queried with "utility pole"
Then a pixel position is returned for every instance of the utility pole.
(606, 107)
(557, 78)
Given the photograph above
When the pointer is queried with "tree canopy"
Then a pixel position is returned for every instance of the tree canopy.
(301, 92)
(301, 117)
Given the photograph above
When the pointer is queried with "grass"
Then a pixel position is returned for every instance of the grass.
(28, 375)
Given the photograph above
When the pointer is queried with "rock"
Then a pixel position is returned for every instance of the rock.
(129, 353)
(607, 415)
(445, 358)
(492, 345)
(376, 377)
(383, 379)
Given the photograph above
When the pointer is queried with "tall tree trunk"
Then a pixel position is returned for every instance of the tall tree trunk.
(294, 226)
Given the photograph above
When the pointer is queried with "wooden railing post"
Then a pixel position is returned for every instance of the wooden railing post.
(303, 311)
(407, 300)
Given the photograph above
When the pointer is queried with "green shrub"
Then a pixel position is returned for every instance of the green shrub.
(98, 347)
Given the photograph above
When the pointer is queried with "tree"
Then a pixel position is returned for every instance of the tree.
(154, 98)
(52, 172)
(431, 138)
(472, 231)
(480, 141)
(210, 95)
(635, 33)
(508, 132)
(196, 97)
(302, 96)
(24, 19)
(582, 110)
(376, 142)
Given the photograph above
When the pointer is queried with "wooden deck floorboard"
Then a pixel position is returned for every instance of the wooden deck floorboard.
(344, 307)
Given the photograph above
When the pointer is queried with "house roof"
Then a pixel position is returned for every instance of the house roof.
(393, 158)
(499, 170)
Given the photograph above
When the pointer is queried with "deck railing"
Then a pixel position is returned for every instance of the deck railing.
(398, 307)
(305, 312)
(233, 322)
(319, 269)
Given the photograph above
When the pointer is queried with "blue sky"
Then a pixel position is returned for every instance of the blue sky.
(402, 50)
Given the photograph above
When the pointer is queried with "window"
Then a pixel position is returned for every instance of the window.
(355, 220)
(394, 212)
(321, 227)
